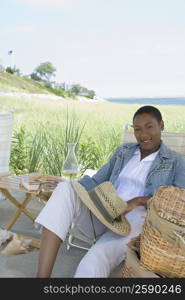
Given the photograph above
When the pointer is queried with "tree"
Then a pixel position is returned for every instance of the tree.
(45, 71)
(91, 94)
(76, 89)
(35, 77)
(1, 66)
(13, 70)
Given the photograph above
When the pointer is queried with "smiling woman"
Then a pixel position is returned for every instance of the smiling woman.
(147, 124)
(136, 171)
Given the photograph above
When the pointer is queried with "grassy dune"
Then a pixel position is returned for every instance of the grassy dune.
(13, 83)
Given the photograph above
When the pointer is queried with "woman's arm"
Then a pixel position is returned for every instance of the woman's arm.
(134, 202)
(137, 201)
(102, 174)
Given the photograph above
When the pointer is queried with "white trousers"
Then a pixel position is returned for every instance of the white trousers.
(64, 208)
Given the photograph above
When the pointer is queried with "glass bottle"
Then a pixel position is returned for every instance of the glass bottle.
(70, 166)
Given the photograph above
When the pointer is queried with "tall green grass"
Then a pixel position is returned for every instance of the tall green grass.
(42, 128)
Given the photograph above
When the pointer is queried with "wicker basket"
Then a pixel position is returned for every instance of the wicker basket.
(162, 249)
(132, 267)
(169, 202)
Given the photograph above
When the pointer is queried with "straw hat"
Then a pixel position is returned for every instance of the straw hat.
(106, 205)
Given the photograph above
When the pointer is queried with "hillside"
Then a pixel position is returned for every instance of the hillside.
(14, 83)
(21, 86)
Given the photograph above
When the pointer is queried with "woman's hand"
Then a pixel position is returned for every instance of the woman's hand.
(137, 201)
(134, 202)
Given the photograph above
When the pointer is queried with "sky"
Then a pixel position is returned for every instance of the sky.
(118, 48)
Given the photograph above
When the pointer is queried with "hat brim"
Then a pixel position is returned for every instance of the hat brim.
(121, 227)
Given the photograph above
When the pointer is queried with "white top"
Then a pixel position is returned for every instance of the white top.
(110, 249)
(131, 181)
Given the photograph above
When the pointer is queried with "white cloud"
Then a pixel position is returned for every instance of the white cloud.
(66, 4)
(20, 29)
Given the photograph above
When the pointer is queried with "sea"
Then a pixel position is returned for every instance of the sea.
(150, 101)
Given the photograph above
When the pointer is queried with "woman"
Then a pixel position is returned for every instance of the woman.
(136, 170)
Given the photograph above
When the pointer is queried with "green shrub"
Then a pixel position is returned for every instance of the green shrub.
(13, 70)
(18, 158)
(88, 155)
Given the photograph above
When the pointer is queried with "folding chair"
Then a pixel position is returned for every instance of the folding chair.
(175, 141)
(76, 238)
(6, 129)
(9, 183)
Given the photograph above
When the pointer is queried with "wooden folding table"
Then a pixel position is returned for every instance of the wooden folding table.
(14, 183)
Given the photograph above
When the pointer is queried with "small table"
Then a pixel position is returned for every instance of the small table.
(14, 183)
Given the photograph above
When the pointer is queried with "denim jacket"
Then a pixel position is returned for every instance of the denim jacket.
(168, 168)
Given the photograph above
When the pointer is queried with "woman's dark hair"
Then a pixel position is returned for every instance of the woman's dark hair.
(149, 110)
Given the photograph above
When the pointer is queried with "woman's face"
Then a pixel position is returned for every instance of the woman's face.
(147, 130)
